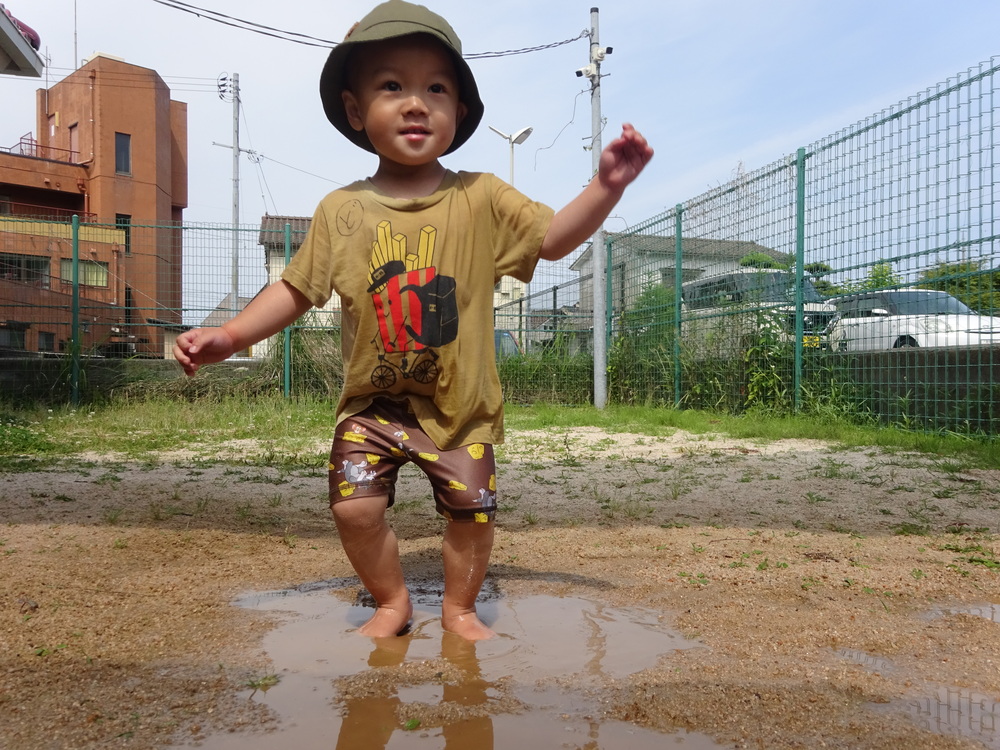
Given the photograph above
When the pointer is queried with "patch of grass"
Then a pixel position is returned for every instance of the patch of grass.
(20, 437)
(674, 525)
(141, 429)
(974, 553)
(812, 498)
(832, 469)
(694, 579)
(263, 683)
(907, 528)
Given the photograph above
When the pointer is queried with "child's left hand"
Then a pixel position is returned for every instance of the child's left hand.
(623, 159)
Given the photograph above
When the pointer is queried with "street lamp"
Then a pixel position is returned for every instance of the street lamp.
(509, 288)
(519, 137)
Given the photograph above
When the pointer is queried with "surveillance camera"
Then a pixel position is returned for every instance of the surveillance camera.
(588, 70)
(599, 53)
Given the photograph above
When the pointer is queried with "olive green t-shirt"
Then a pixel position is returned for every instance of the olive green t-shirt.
(416, 278)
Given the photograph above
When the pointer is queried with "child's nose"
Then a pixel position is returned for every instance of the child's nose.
(415, 103)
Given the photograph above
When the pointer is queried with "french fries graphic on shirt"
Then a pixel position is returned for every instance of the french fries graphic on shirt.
(416, 307)
(387, 248)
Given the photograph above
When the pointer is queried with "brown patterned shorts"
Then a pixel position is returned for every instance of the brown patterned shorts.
(370, 447)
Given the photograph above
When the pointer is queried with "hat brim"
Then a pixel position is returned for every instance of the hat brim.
(333, 81)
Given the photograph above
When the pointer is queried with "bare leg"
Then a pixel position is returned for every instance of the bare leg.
(466, 554)
(371, 546)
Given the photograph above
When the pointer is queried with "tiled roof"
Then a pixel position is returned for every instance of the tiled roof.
(272, 230)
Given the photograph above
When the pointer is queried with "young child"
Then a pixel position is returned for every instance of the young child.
(414, 253)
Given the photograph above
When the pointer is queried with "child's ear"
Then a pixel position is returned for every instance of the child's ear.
(352, 110)
(460, 113)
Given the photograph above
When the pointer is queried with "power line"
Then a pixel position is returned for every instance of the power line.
(312, 41)
(289, 166)
(240, 23)
(524, 50)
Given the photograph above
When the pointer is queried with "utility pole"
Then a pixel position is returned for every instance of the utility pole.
(592, 71)
(230, 87)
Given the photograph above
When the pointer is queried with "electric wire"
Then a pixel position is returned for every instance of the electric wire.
(311, 174)
(312, 41)
(255, 160)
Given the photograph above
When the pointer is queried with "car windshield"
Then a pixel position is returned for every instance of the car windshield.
(926, 303)
(775, 286)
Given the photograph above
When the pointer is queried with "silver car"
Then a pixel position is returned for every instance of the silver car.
(897, 318)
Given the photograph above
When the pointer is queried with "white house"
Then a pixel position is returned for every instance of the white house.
(643, 260)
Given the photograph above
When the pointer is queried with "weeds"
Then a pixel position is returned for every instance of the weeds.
(264, 683)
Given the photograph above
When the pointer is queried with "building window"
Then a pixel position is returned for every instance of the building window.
(46, 341)
(92, 273)
(30, 269)
(130, 317)
(4, 205)
(74, 143)
(12, 338)
(123, 153)
(124, 222)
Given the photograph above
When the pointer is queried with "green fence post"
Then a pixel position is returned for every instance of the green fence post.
(678, 281)
(287, 364)
(609, 309)
(76, 346)
(800, 254)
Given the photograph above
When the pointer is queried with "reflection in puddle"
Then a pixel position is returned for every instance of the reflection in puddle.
(944, 710)
(956, 711)
(988, 611)
(535, 685)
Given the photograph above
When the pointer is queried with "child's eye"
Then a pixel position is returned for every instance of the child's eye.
(391, 86)
(437, 88)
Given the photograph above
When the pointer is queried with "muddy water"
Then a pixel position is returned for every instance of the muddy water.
(536, 685)
(938, 708)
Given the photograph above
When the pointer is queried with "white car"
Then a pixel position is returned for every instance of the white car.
(897, 318)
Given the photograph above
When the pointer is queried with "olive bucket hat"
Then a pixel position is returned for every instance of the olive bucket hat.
(392, 19)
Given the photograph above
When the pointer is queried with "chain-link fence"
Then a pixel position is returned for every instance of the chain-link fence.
(90, 309)
(856, 276)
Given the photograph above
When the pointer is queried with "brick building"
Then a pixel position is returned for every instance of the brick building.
(110, 148)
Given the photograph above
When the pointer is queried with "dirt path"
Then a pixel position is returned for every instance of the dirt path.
(831, 589)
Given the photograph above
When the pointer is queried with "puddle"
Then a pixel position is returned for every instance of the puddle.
(943, 710)
(535, 685)
(957, 712)
(989, 611)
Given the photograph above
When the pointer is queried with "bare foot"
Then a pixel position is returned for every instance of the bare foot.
(468, 626)
(387, 621)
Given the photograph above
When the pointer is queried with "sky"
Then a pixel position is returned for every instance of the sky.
(714, 85)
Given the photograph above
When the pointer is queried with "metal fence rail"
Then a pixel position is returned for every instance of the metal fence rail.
(856, 276)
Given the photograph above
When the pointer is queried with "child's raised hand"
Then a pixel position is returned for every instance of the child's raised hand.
(202, 346)
(623, 159)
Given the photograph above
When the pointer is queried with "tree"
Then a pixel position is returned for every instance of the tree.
(967, 281)
(817, 271)
(761, 260)
(880, 276)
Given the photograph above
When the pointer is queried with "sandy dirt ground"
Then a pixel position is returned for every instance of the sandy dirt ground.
(827, 588)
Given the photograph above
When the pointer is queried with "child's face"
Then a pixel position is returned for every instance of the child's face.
(404, 95)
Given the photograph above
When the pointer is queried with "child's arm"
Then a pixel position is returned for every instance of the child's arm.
(279, 305)
(621, 162)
